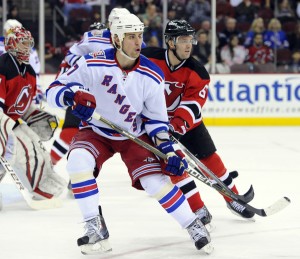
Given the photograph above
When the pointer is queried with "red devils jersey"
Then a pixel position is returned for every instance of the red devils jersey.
(186, 86)
(17, 86)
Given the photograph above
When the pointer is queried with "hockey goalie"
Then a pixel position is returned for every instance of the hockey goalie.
(23, 127)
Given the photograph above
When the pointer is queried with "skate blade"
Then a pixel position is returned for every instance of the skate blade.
(208, 249)
(100, 247)
(210, 227)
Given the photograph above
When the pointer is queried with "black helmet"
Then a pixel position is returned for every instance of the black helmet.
(176, 28)
(97, 26)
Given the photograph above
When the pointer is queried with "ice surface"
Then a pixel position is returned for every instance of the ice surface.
(267, 157)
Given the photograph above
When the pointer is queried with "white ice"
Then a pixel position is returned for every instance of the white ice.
(267, 157)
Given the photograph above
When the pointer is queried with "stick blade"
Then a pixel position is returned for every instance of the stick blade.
(277, 206)
(248, 196)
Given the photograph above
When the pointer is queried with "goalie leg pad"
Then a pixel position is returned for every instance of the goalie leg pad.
(34, 167)
(6, 125)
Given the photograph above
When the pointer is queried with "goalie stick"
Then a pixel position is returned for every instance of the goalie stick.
(34, 204)
(195, 172)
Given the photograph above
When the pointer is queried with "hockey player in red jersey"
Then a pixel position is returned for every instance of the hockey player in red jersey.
(22, 125)
(186, 90)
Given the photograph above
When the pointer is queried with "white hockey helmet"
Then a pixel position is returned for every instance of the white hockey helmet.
(125, 24)
(115, 13)
(11, 23)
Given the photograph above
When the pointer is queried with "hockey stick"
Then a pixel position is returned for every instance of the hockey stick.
(274, 208)
(219, 185)
(193, 169)
(34, 204)
(277, 206)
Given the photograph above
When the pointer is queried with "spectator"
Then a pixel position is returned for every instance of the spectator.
(245, 11)
(136, 7)
(153, 22)
(157, 3)
(224, 10)
(262, 3)
(206, 26)
(198, 10)
(153, 42)
(221, 67)
(69, 5)
(257, 26)
(171, 15)
(259, 53)
(233, 52)
(13, 13)
(235, 3)
(230, 29)
(294, 38)
(202, 50)
(298, 9)
(275, 37)
(178, 7)
(284, 12)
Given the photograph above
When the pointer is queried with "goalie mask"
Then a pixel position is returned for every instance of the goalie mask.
(19, 43)
(9, 24)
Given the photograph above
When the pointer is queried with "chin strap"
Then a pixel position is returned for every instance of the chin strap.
(124, 54)
(175, 54)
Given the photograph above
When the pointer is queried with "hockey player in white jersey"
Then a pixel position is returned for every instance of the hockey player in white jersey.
(92, 41)
(98, 38)
(34, 60)
(127, 88)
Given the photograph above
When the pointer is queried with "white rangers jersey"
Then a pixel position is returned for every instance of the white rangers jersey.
(92, 41)
(133, 99)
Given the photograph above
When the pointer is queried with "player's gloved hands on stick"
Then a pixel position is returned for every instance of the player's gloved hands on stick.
(178, 127)
(176, 163)
(83, 103)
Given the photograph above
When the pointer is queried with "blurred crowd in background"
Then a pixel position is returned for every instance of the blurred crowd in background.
(253, 36)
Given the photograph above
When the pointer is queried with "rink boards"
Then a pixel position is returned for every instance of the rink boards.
(244, 100)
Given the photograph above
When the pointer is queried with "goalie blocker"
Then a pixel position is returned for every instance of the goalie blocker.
(41, 122)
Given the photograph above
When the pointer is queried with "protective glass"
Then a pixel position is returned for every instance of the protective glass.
(186, 40)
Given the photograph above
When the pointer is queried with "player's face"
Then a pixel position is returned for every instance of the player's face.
(184, 46)
(132, 43)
